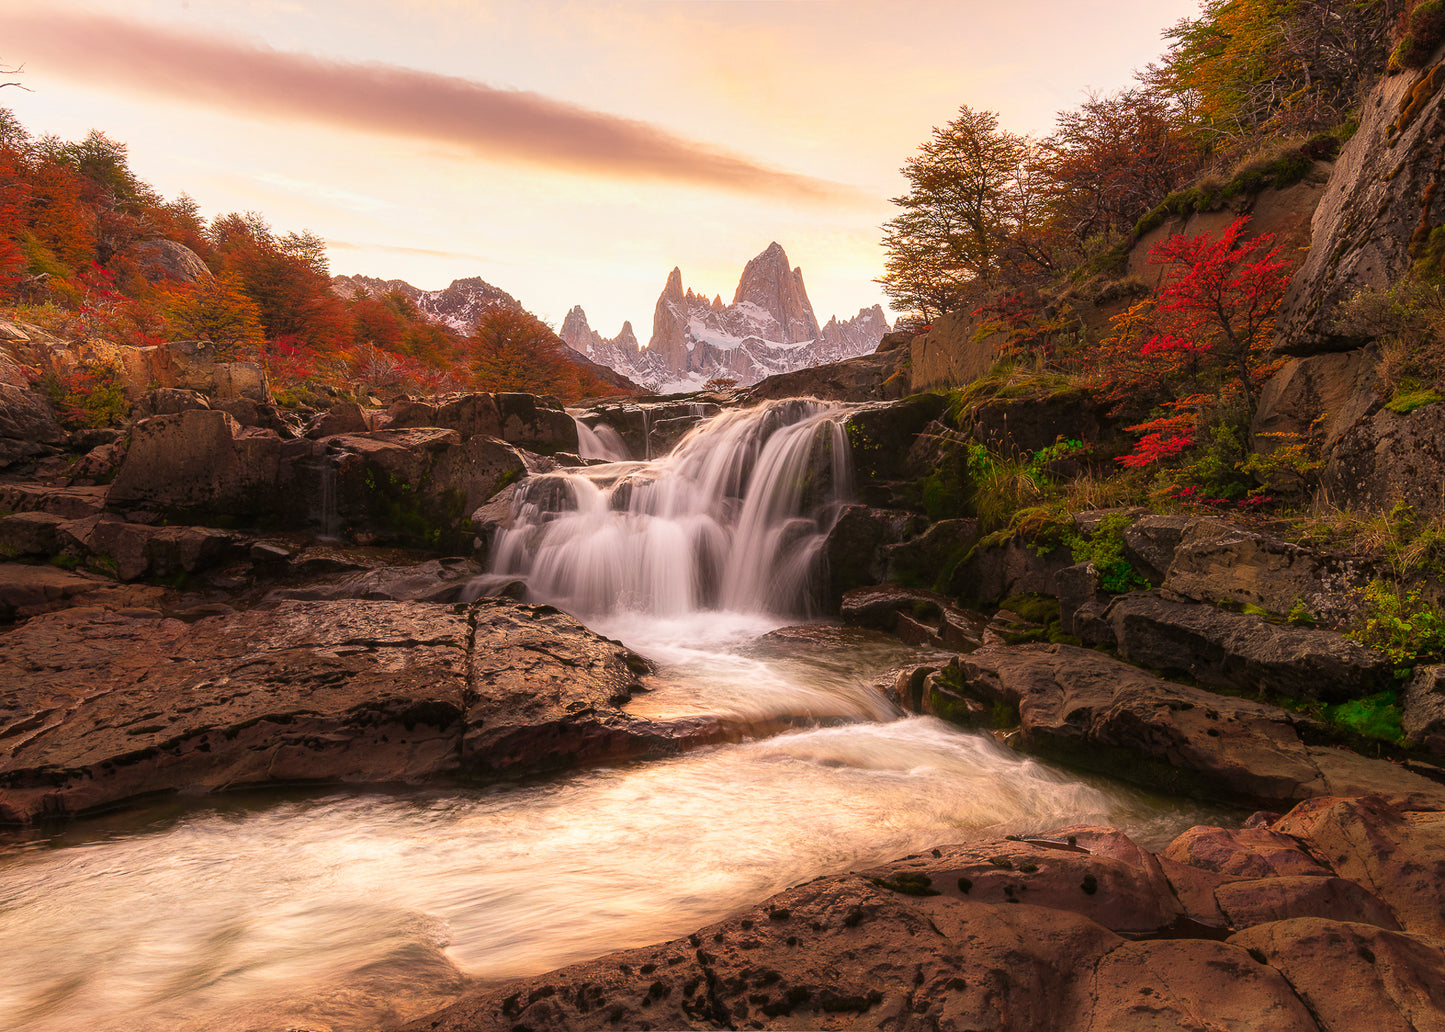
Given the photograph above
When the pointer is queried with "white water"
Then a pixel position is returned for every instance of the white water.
(357, 911)
(601, 442)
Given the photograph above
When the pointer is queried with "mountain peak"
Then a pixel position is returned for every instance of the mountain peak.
(768, 283)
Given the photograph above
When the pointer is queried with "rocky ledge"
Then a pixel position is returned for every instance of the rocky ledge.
(102, 706)
(1328, 918)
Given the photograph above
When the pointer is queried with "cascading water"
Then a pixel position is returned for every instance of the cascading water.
(600, 442)
(732, 520)
(358, 911)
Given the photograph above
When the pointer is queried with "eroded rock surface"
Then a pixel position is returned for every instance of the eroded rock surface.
(98, 707)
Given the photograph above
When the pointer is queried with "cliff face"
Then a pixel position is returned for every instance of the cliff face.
(769, 328)
(1380, 205)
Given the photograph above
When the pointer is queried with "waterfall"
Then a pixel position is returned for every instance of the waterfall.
(733, 519)
(600, 442)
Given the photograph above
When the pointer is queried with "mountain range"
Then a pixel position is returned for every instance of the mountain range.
(768, 328)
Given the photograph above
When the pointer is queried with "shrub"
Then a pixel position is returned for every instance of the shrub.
(92, 396)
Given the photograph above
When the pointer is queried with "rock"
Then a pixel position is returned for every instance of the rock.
(537, 424)
(130, 551)
(1093, 712)
(1387, 459)
(951, 351)
(1400, 854)
(344, 417)
(1248, 853)
(193, 365)
(1364, 223)
(99, 464)
(199, 461)
(1355, 976)
(28, 429)
(165, 401)
(263, 415)
(894, 341)
(72, 502)
(1082, 604)
(305, 692)
(438, 580)
(1237, 651)
(875, 377)
(470, 415)
(28, 590)
(917, 616)
(996, 571)
(1022, 426)
(881, 434)
(1215, 561)
(420, 485)
(160, 260)
(1262, 900)
(29, 535)
(854, 547)
(924, 558)
(1151, 541)
(1423, 716)
(1340, 387)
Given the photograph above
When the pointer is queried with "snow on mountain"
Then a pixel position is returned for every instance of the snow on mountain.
(769, 328)
(457, 306)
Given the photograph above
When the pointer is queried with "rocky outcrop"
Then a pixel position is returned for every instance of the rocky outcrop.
(1098, 713)
(1338, 386)
(160, 260)
(1387, 459)
(951, 351)
(200, 460)
(358, 692)
(1375, 208)
(865, 378)
(1075, 930)
(1242, 652)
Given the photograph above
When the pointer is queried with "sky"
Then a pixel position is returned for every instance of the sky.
(570, 152)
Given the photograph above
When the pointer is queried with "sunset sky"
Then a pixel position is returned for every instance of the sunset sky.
(567, 152)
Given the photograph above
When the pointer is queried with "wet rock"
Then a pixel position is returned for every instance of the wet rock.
(1355, 976)
(536, 424)
(1262, 900)
(880, 435)
(927, 557)
(854, 546)
(29, 590)
(997, 571)
(1245, 853)
(919, 617)
(1398, 853)
(1098, 713)
(131, 551)
(100, 707)
(1238, 651)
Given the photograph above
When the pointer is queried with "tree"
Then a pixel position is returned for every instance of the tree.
(1224, 294)
(970, 189)
(1114, 158)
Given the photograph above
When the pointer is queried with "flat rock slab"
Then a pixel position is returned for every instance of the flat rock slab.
(1089, 710)
(98, 707)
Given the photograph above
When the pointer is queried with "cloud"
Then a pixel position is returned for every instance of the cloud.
(487, 121)
(347, 245)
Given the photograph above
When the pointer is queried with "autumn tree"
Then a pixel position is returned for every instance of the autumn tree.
(970, 189)
(216, 309)
(1113, 158)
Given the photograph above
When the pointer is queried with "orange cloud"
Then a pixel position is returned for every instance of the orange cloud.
(491, 122)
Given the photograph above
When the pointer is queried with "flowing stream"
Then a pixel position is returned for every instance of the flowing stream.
(359, 910)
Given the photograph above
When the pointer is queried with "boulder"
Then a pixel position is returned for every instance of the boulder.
(160, 260)
(72, 502)
(1019, 427)
(1246, 853)
(1259, 901)
(28, 429)
(996, 570)
(952, 351)
(1423, 709)
(131, 551)
(917, 616)
(344, 417)
(924, 558)
(1151, 541)
(1339, 387)
(1355, 976)
(1387, 459)
(1097, 713)
(308, 692)
(854, 547)
(1242, 652)
(1216, 561)
(165, 401)
(880, 435)
(29, 535)
(880, 376)
(194, 365)
(536, 424)
(1399, 853)
(199, 461)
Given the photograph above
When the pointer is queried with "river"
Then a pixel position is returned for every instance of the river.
(355, 910)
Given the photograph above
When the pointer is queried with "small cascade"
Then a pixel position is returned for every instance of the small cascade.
(733, 519)
(600, 442)
(324, 497)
